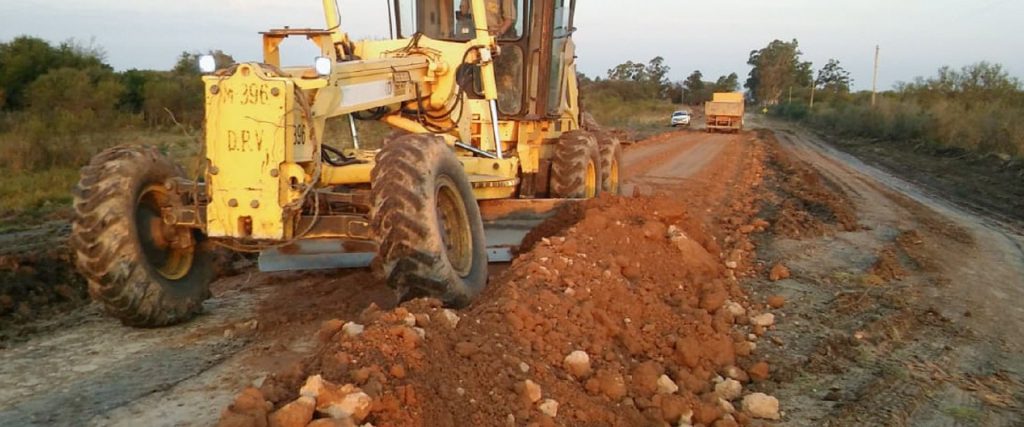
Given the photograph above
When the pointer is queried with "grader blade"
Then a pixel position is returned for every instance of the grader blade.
(506, 224)
(508, 221)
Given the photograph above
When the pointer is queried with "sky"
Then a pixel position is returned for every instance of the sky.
(715, 36)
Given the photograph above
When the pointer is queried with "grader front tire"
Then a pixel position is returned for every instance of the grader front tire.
(427, 222)
(575, 168)
(136, 266)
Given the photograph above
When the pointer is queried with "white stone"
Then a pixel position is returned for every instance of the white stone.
(549, 407)
(729, 389)
(726, 406)
(354, 405)
(450, 317)
(578, 363)
(686, 420)
(409, 319)
(666, 385)
(764, 319)
(524, 367)
(760, 405)
(532, 390)
(735, 308)
(312, 387)
(353, 329)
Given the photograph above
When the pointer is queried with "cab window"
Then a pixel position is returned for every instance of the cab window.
(453, 20)
(561, 33)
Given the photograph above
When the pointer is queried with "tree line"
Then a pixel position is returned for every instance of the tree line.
(56, 99)
(637, 81)
(974, 108)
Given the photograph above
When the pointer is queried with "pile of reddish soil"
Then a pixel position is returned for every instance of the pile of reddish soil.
(808, 204)
(638, 285)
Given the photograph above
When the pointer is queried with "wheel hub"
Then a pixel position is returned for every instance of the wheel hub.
(168, 249)
(590, 181)
(453, 224)
(613, 177)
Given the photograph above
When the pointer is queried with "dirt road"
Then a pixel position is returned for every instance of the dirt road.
(915, 316)
(90, 369)
(899, 308)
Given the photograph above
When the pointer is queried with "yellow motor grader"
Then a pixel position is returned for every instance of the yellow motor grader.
(483, 98)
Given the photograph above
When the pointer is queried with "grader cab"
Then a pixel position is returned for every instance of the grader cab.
(483, 98)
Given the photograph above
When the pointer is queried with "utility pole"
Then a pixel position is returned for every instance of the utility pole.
(874, 79)
(814, 85)
(791, 94)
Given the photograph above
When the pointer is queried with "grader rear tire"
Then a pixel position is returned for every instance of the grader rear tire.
(427, 222)
(123, 248)
(611, 160)
(575, 169)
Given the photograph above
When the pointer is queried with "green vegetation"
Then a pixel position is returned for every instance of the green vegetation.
(695, 91)
(62, 104)
(635, 97)
(777, 70)
(971, 110)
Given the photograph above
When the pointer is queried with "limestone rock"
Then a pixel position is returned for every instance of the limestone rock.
(549, 407)
(295, 414)
(578, 364)
(760, 405)
(763, 320)
(666, 385)
(353, 329)
(729, 389)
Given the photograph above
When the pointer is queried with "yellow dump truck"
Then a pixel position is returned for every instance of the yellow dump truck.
(724, 112)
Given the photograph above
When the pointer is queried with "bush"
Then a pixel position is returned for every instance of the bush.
(796, 111)
(973, 110)
(171, 98)
(67, 108)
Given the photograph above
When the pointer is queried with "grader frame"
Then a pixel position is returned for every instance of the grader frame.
(273, 184)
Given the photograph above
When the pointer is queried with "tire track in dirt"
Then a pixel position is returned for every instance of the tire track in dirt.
(644, 157)
(970, 282)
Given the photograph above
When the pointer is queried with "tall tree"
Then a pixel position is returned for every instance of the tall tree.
(775, 69)
(694, 88)
(729, 83)
(832, 78)
(24, 59)
(656, 73)
(628, 70)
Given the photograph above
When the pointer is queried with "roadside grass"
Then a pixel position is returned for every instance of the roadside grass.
(641, 118)
(31, 197)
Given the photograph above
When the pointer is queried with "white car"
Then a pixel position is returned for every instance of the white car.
(680, 118)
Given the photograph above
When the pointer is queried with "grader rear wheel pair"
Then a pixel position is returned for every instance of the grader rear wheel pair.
(585, 164)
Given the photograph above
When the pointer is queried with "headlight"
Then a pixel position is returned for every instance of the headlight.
(323, 66)
(207, 64)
